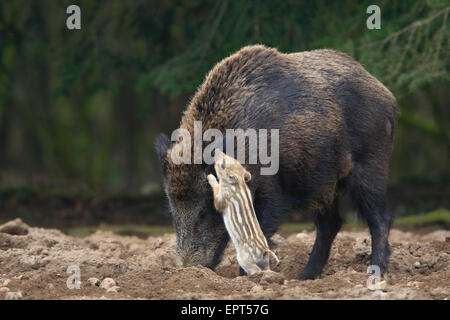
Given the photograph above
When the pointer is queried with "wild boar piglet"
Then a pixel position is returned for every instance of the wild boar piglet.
(233, 199)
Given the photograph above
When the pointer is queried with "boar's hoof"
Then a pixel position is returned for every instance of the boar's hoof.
(308, 275)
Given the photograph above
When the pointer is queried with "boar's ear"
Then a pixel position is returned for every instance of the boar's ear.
(162, 144)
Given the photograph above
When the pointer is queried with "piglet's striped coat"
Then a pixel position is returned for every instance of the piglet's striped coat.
(232, 197)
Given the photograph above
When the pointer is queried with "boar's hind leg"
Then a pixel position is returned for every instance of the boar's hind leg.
(370, 199)
(328, 222)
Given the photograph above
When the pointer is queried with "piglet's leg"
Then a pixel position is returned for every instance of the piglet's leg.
(218, 203)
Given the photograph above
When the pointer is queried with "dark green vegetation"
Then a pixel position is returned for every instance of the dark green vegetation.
(79, 110)
(424, 221)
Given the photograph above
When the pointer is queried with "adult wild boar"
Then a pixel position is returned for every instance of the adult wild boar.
(336, 130)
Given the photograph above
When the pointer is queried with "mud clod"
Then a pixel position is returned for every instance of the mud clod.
(107, 283)
(13, 295)
(15, 227)
(4, 290)
(270, 276)
(93, 282)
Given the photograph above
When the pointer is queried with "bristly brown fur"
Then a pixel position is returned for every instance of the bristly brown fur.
(336, 127)
(213, 100)
(221, 100)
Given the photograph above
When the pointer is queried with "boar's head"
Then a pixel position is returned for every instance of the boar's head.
(200, 231)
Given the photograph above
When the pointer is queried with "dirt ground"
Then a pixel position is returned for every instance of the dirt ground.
(34, 264)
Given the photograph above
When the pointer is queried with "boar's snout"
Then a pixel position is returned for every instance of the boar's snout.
(189, 259)
(207, 257)
(201, 251)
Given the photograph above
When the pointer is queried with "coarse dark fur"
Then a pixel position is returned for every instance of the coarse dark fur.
(336, 125)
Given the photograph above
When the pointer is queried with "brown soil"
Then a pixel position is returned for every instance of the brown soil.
(34, 262)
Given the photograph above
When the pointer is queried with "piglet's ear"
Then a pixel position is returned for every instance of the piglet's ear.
(162, 145)
(247, 176)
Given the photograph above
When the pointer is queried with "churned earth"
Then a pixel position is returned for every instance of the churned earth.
(34, 264)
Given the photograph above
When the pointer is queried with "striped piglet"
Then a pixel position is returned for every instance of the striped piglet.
(233, 199)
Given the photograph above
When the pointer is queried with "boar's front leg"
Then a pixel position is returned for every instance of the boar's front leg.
(328, 222)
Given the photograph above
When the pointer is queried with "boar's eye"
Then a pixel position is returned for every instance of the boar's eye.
(202, 214)
(232, 178)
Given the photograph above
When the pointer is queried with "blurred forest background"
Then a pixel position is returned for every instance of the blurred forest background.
(79, 109)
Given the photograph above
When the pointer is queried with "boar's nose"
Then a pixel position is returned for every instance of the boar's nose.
(188, 259)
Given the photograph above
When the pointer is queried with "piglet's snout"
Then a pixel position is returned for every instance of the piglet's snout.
(263, 264)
